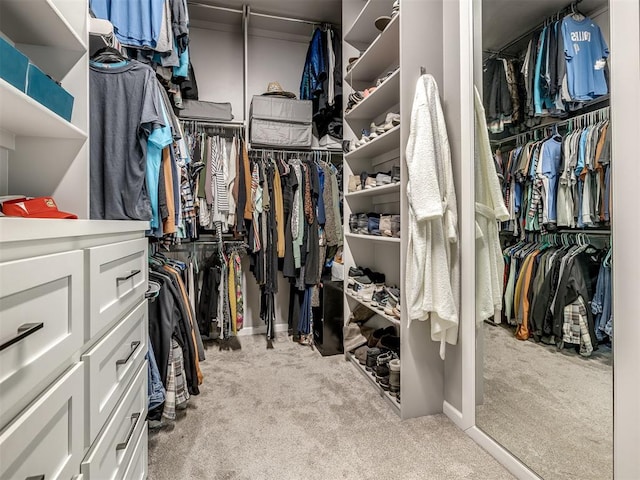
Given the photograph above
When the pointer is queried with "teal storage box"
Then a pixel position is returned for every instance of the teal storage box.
(13, 65)
(46, 91)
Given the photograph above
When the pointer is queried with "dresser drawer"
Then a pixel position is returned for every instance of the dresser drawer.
(110, 366)
(118, 280)
(138, 466)
(41, 324)
(110, 454)
(45, 441)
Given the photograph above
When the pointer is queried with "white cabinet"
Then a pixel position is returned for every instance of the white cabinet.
(73, 380)
(118, 278)
(111, 364)
(42, 312)
(109, 456)
(45, 441)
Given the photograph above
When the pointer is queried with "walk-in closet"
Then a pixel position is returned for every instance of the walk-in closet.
(284, 239)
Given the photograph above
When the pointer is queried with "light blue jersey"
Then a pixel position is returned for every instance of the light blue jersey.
(136, 23)
(585, 50)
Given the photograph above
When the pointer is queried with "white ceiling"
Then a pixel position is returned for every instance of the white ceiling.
(316, 10)
(505, 20)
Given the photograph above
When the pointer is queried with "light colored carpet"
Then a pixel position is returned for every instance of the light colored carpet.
(552, 409)
(289, 413)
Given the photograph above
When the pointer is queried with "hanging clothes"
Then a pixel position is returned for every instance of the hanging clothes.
(489, 210)
(433, 269)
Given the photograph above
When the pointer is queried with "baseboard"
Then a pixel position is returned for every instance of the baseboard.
(454, 415)
(504, 457)
(262, 329)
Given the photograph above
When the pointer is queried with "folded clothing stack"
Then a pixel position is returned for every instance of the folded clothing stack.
(367, 181)
(372, 223)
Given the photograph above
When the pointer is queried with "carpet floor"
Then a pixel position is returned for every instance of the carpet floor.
(289, 413)
(552, 409)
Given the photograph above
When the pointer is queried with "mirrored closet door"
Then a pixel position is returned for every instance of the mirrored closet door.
(544, 389)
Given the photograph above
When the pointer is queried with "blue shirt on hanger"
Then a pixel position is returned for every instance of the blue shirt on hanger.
(585, 50)
(136, 23)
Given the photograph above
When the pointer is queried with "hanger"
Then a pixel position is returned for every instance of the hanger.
(575, 13)
(108, 55)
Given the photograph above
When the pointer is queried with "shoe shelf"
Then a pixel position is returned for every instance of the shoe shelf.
(363, 31)
(40, 23)
(381, 100)
(21, 115)
(371, 192)
(372, 379)
(373, 238)
(382, 54)
(387, 142)
(389, 318)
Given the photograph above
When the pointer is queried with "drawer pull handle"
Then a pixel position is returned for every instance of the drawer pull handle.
(127, 277)
(24, 331)
(35, 477)
(134, 423)
(134, 347)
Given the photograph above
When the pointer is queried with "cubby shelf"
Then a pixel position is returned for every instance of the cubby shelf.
(387, 142)
(372, 379)
(380, 101)
(364, 31)
(21, 115)
(373, 238)
(383, 53)
(372, 192)
(389, 318)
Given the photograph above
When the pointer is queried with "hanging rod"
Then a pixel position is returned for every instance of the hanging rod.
(212, 123)
(559, 123)
(258, 14)
(536, 28)
(295, 152)
(215, 7)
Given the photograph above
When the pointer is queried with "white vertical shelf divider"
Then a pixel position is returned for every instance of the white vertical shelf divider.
(419, 43)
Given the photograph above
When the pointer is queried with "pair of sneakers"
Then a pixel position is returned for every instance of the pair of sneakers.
(390, 225)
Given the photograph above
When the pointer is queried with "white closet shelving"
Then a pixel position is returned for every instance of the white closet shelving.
(383, 98)
(408, 43)
(41, 153)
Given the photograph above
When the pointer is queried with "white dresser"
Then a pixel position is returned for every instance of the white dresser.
(73, 340)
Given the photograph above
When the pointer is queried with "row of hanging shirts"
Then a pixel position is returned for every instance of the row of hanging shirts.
(562, 68)
(560, 180)
(557, 290)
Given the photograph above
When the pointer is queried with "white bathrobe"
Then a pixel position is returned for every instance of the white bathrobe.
(432, 280)
(490, 209)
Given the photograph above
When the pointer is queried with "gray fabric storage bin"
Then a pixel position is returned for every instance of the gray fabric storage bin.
(281, 109)
(206, 110)
(280, 134)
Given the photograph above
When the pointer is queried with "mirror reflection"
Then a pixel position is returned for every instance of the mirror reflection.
(544, 388)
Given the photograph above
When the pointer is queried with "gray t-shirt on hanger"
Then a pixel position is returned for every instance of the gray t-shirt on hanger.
(125, 108)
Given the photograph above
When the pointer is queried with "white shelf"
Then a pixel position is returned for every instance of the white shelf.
(389, 318)
(15, 229)
(384, 143)
(383, 53)
(21, 115)
(381, 391)
(37, 24)
(363, 31)
(380, 101)
(373, 238)
(383, 190)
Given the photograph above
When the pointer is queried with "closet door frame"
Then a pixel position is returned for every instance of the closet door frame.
(625, 105)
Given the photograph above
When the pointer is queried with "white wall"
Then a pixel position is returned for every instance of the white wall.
(217, 62)
(274, 60)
